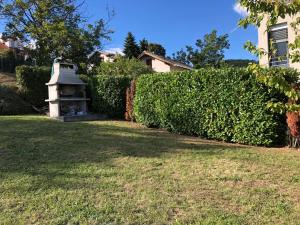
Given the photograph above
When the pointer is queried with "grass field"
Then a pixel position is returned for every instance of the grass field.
(114, 172)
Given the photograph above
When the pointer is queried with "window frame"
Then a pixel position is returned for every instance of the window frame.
(275, 61)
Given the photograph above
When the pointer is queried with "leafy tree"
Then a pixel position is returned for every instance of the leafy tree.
(57, 27)
(144, 45)
(181, 56)
(131, 49)
(9, 59)
(208, 52)
(123, 67)
(155, 48)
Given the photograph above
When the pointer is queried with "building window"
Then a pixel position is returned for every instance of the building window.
(278, 45)
(149, 62)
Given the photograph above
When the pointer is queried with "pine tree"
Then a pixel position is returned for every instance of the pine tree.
(131, 49)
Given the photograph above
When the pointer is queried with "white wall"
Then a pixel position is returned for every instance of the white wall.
(106, 58)
(159, 66)
(11, 43)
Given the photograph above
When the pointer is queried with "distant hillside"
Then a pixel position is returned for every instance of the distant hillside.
(240, 62)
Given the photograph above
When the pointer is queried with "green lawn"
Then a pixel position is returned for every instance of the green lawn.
(122, 173)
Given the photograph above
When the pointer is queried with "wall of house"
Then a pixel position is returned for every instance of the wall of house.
(159, 66)
(3, 46)
(106, 58)
(263, 39)
(11, 43)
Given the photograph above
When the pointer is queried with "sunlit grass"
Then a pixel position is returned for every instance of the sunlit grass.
(122, 173)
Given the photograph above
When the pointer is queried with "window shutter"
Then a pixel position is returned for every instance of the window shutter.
(278, 35)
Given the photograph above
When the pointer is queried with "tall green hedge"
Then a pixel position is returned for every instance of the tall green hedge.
(224, 104)
(32, 83)
(109, 95)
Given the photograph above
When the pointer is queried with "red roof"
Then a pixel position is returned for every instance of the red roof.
(3, 46)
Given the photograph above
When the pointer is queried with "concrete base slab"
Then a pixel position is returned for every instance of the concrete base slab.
(89, 117)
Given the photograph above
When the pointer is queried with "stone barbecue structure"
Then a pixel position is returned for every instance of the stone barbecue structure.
(67, 95)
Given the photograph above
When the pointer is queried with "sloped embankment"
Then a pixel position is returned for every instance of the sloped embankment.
(10, 102)
(8, 79)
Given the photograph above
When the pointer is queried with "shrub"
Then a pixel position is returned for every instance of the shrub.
(11, 103)
(9, 59)
(123, 67)
(87, 79)
(32, 83)
(109, 87)
(108, 95)
(225, 104)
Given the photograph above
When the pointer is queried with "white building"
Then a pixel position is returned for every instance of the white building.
(161, 64)
(107, 56)
(10, 43)
(279, 36)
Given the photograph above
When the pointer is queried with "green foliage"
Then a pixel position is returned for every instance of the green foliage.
(274, 9)
(283, 80)
(32, 83)
(88, 80)
(109, 95)
(224, 104)
(108, 88)
(209, 51)
(143, 45)
(154, 48)
(9, 59)
(58, 27)
(157, 49)
(240, 62)
(123, 67)
(11, 103)
(181, 56)
(131, 48)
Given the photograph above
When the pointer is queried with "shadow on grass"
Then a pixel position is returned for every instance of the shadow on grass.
(29, 145)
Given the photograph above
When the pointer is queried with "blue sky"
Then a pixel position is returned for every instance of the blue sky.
(173, 23)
